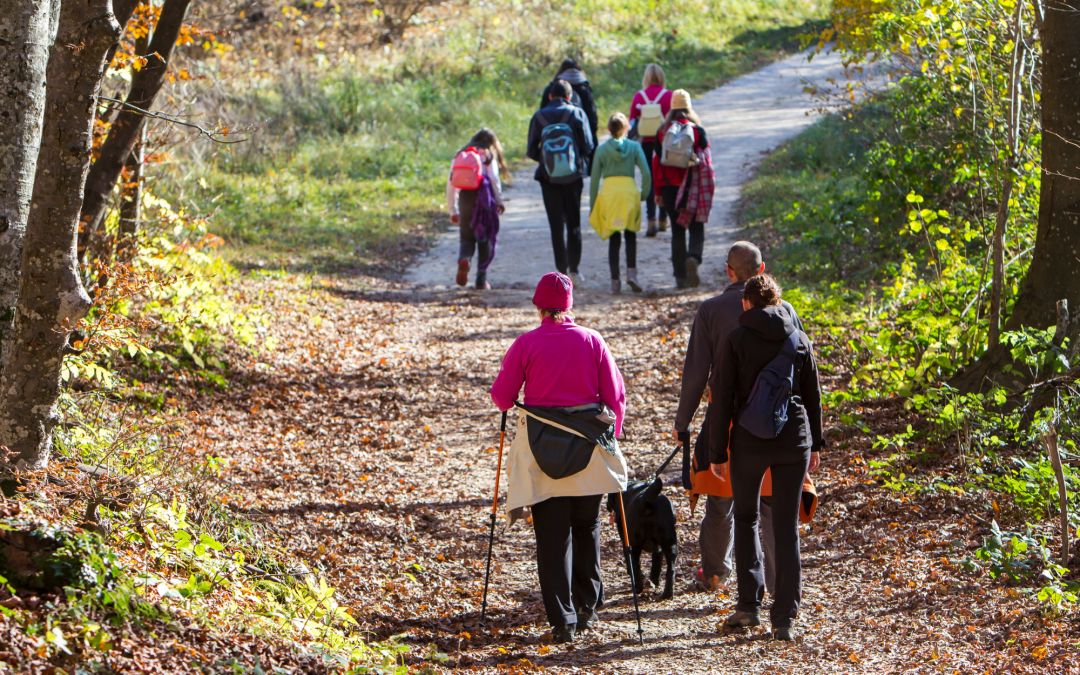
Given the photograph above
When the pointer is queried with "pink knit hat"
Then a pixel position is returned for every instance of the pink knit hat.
(555, 291)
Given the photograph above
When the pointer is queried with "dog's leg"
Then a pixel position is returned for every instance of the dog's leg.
(635, 561)
(654, 573)
(671, 553)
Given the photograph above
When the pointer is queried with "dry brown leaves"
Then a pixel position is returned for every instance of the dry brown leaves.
(367, 442)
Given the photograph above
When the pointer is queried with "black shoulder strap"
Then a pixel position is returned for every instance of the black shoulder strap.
(790, 349)
(540, 116)
(565, 117)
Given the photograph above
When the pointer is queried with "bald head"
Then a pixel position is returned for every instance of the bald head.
(744, 259)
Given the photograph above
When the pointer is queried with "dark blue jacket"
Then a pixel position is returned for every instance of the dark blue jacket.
(578, 122)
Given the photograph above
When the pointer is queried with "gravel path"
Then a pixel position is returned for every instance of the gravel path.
(744, 118)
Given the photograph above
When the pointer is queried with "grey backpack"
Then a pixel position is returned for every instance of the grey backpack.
(678, 145)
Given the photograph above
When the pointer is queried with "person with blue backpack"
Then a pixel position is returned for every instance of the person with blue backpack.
(560, 141)
(767, 399)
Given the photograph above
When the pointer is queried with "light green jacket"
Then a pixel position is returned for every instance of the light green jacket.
(617, 157)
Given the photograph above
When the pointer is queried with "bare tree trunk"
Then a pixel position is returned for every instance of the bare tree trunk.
(131, 204)
(27, 28)
(1016, 78)
(116, 149)
(52, 299)
(1054, 273)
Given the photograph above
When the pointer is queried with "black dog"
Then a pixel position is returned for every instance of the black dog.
(650, 525)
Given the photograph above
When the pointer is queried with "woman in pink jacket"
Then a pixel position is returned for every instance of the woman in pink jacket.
(566, 370)
(649, 108)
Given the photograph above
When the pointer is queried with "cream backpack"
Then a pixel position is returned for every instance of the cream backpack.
(652, 117)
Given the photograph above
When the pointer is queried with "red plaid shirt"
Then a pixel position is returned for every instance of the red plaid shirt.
(698, 188)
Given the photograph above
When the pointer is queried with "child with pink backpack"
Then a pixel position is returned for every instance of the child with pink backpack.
(474, 199)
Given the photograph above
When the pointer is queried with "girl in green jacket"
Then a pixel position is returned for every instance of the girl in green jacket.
(615, 200)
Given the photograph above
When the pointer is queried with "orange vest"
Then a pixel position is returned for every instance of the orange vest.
(704, 482)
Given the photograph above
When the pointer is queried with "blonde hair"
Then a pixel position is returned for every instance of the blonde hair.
(654, 74)
(682, 114)
(618, 125)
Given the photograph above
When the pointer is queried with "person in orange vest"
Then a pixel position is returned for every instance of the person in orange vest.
(715, 318)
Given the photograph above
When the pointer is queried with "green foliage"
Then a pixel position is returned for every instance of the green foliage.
(886, 224)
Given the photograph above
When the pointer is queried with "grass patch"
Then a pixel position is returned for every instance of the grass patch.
(352, 165)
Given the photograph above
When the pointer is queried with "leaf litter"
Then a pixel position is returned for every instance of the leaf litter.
(366, 441)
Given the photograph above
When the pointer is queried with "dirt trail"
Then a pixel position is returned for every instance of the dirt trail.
(366, 441)
(744, 119)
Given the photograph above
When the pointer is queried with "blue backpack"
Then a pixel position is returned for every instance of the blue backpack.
(766, 410)
(558, 150)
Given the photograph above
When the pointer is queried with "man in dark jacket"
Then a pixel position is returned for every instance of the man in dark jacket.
(562, 201)
(580, 92)
(715, 319)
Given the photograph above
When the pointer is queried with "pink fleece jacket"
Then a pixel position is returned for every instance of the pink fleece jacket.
(561, 364)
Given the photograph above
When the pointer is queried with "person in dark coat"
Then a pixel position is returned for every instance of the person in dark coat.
(714, 321)
(562, 201)
(581, 97)
(763, 329)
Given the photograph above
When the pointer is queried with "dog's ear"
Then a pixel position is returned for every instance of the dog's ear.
(653, 491)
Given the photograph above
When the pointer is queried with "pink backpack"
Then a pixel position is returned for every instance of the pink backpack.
(467, 169)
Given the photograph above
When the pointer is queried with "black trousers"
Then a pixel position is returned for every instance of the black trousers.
(788, 471)
(614, 242)
(562, 201)
(568, 555)
(679, 250)
(651, 148)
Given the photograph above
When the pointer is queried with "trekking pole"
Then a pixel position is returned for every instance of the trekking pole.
(630, 568)
(494, 511)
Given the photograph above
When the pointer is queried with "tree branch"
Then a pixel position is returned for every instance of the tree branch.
(212, 135)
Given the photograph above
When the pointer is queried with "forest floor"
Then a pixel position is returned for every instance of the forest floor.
(366, 442)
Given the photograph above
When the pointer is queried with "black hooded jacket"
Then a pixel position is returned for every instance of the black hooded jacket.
(582, 97)
(749, 348)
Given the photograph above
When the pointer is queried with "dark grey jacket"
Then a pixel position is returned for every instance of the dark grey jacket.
(748, 349)
(582, 97)
(577, 121)
(716, 318)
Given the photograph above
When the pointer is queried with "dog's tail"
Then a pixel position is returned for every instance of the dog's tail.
(653, 491)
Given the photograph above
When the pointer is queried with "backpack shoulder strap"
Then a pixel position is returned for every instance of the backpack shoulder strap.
(565, 117)
(646, 97)
(543, 118)
(790, 349)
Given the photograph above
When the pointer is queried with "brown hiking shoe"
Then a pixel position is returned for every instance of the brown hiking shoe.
(709, 585)
(742, 620)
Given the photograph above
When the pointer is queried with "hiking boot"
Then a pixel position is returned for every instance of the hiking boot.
(742, 620)
(631, 279)
(692, 278)
(784, 633)
(663, 224)
(651, 232)
(680, 283)
(708, 584)
(563, 634)
(481, 282)
(462, 272)
(587, 619)
(575, 278)
(616, 286)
